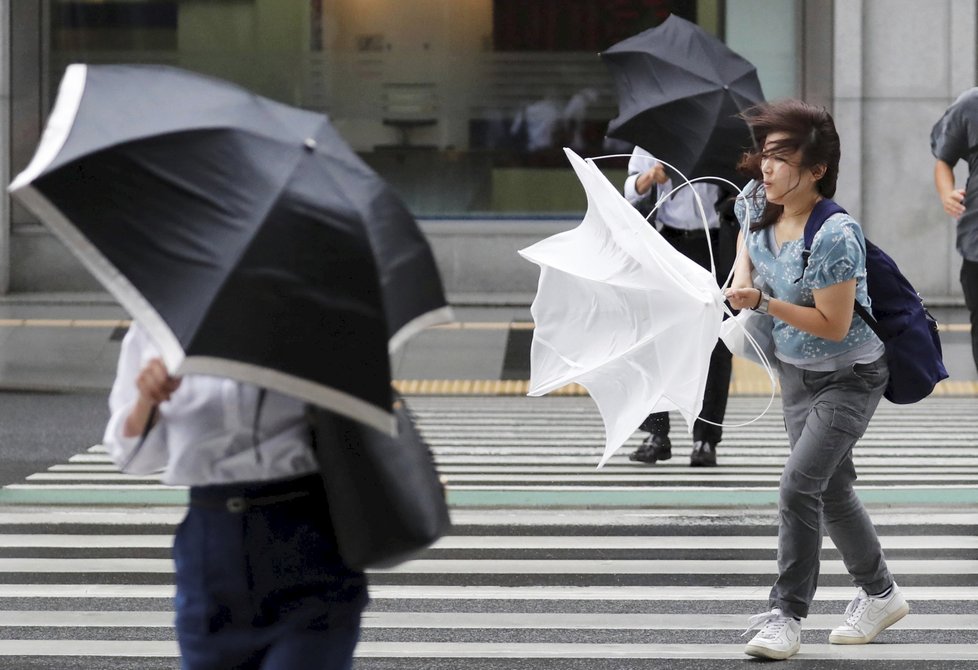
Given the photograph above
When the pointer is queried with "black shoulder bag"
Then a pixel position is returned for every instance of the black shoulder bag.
(386, 500)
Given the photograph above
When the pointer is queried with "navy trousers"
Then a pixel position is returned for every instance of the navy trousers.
(260, 585)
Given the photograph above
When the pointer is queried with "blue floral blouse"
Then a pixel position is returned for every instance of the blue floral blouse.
(838, 254)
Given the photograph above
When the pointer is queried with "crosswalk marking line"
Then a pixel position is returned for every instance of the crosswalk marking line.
(494, 620)
(696, 476)
(643, 621)
(561, 447)
(85, 619)
(515, 487)
(673, 489)
(506, 566)
(367, 649)
(680, 468)
(112, 487)
(153, 591)
(729, 469)
(659, 542)
(98, 476)
(101, 648)
(70, 516)
(590, 478)
(650, 593)
(516, 542)
(521, 517)
(86, 541)
(727, 461)
(868, 652)
(433, 592)
(89, 565)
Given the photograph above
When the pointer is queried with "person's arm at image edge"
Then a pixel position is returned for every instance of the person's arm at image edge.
(952, 199)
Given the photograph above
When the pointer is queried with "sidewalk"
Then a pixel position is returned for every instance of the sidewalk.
(70, 343)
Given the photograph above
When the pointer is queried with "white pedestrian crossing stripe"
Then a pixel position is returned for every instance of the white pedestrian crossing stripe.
(573, 575)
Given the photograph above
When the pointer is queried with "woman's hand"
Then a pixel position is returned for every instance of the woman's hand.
(743, 298)
(155, 385)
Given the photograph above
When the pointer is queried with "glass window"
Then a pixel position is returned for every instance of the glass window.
(462, 105)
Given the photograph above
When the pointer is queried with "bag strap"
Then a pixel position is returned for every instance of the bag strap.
(823, 209)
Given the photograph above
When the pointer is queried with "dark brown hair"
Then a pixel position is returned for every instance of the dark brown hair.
(809, 130)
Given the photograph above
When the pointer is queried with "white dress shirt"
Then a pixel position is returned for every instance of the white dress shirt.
(678, 210)
(206, 431)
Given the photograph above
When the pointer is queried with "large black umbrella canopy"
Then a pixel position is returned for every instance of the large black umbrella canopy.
(679, 92)
(243, 234)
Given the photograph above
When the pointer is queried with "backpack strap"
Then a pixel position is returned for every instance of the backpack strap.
(869, 319)
(823, 209)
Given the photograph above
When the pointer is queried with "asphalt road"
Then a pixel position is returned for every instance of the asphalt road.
(38, 430)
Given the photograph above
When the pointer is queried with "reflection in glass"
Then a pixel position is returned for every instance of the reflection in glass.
(462, 105)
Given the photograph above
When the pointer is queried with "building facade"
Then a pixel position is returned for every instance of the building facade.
(464, 105)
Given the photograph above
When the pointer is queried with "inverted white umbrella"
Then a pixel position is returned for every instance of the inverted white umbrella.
(621, 312)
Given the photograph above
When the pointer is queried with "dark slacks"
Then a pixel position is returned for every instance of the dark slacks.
(262, 587)
(718, 377)
(969, 284)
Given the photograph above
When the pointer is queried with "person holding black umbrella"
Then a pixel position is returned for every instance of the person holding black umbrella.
(259, 582)
(678, 220)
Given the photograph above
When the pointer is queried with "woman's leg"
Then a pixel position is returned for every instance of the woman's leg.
(825, 413)
(845, 518)
(853, 532)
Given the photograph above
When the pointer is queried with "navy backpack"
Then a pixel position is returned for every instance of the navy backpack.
(899, 318)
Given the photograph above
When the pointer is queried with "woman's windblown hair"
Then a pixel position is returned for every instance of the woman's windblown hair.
(808, 130)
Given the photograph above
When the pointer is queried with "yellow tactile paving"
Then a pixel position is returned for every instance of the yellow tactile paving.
(747, 379)
(745, 382)
(64, 323)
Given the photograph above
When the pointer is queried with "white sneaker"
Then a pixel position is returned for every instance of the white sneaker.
(866, 617)
(779, 636)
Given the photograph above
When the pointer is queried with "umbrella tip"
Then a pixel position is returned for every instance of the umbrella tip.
(310, 144)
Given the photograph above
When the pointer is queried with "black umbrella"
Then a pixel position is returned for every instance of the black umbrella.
(679, 92)
(245, 235)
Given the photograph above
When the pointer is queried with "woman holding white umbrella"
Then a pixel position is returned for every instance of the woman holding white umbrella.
(832, 370)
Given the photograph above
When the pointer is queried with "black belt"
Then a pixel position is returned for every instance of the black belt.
(240, 497)
(691, 234)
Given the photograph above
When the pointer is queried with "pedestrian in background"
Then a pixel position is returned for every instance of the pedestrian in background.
(832, 370)
(955, 137)
(259, 582)
(679, 222)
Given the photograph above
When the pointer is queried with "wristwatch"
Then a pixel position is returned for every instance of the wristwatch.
(763, 303)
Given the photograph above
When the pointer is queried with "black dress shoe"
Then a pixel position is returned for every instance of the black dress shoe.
(704, 455)
(653, 448)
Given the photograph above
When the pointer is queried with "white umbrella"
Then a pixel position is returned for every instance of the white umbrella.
(621, 312)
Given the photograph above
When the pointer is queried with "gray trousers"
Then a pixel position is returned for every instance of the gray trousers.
(825, 413)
